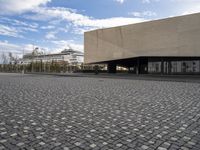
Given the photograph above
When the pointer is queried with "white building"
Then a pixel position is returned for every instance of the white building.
(69, 56)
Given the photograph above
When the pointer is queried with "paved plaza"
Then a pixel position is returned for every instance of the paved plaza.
(72, 113)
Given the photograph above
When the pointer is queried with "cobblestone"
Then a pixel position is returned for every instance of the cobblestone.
(72, 113)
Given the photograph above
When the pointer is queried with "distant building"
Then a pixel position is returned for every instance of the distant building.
(166, 46)
(69, 56)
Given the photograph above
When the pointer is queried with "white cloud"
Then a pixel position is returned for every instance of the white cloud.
(185, 1)
(51, 35)
(20, 6)
(15, 26)
(120, 1)
(19, 49)
(81, 30)
(5, 46)
(60, 45)
(149, 1)
(47, 27)
(143, 1)
(79, 23)
(143, 14)
(188, 6)
(28, 48)
(187, 12)
(15, 22)
(9, 31)
(46, 13)
(109, 22)
(25, 29)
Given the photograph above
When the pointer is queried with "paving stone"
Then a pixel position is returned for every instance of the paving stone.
(167, 144)
(191, 143)
(93, 145)
(14, 134)
(20, 144)
(162, 148)
(184, 148)
(42, 143)
(105, 143)
(57, 144)
(3, 141)
(144, 147)
(77, 143)
(52, 112)
(39, 137)
(119, 145)
(174, 139)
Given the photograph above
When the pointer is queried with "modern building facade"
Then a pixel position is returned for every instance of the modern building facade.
(69, 56)
(166, 46)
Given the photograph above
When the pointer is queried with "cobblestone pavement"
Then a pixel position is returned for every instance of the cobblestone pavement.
(72, 113)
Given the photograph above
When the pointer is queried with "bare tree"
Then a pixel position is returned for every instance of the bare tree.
(1, 59)
(4, 58)
(16, 59)
(11, 58)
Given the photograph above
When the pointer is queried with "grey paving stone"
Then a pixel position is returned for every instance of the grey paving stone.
(144, 147)
(2, 147)
(162, 148)
(42, 143)
(20, 144)
(66, 148)
(51, 112)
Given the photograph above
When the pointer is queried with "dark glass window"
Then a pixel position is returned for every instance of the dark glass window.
(175, 67)
(154, 67)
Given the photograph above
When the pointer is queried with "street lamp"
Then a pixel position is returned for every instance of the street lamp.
(23, 62)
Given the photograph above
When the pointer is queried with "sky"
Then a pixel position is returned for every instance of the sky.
(53, 25)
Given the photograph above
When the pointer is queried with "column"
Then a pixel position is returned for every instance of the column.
(138, 66)
(162, 66)
(112, 68)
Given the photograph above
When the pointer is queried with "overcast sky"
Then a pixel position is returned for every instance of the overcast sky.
(56, 24)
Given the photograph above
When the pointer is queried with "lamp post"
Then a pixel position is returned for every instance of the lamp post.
(32, 59)
(44, 53)
(23, 62)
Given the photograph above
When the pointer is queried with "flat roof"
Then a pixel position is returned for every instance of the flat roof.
(143, 22)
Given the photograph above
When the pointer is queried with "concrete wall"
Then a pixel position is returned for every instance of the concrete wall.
(178, 36)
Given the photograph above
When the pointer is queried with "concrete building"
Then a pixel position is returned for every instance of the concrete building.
(166, 46)
(68, 55)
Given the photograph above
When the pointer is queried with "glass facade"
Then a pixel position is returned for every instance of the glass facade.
(154, 67)
(175, 67)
